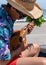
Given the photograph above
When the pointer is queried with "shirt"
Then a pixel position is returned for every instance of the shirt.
(6, 30)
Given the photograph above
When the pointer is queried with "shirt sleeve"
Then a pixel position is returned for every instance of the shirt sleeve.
(4, 36)
(4, 44)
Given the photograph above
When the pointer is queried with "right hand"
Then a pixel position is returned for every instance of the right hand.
(29, 27)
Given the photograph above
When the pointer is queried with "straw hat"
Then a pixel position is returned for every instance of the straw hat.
(30, 8)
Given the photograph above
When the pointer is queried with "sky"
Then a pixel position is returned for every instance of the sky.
(42, 3)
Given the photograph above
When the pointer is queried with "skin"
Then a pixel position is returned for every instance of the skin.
(31, 61)
(29, 55)
(12, 12)
(30, 51)
(26, 53)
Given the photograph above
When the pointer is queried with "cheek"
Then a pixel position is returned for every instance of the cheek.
(14, 15)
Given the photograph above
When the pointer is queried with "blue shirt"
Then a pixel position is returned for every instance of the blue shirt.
(6, 30)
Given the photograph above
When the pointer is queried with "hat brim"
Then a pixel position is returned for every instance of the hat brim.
(35, 13)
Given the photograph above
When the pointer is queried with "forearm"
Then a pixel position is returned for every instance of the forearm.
(31, 61)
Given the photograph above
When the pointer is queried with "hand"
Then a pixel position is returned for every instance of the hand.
(30, 27)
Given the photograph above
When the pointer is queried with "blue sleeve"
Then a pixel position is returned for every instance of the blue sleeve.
(6, 29)
(4, 44)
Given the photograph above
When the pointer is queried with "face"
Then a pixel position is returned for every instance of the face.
(12, 12)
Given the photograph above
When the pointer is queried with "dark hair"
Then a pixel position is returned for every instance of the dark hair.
(8, 5)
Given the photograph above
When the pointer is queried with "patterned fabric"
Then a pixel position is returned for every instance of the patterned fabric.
(6, 30)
